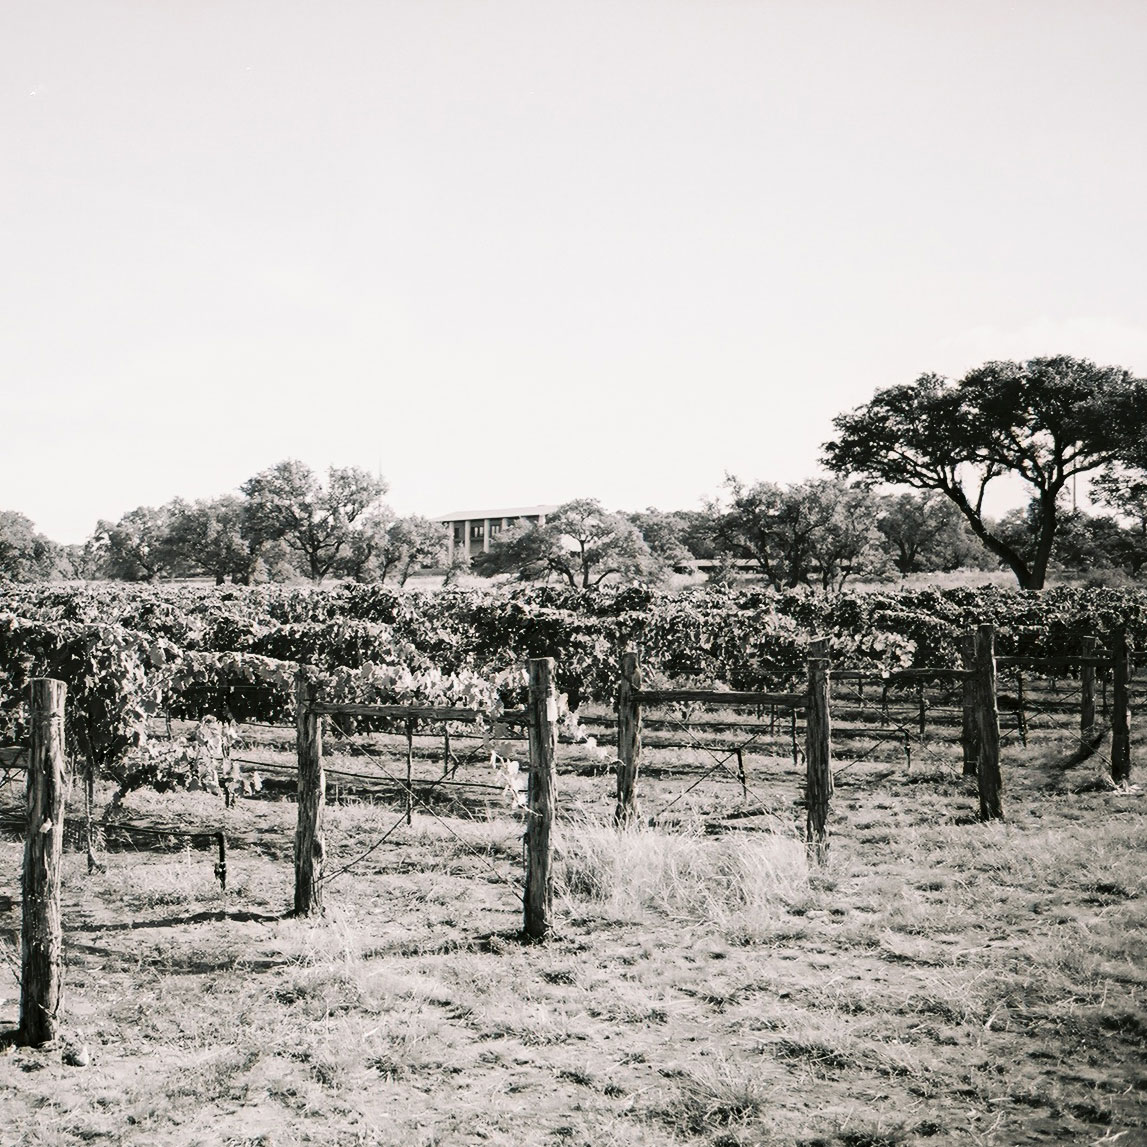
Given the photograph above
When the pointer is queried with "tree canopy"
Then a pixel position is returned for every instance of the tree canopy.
(811, 531)
(581, 544)
(25, 555)
(287, 502)
(1043, 421)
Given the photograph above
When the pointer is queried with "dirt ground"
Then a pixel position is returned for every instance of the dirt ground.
(940, 981)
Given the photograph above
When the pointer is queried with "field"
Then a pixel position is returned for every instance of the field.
(940, 981)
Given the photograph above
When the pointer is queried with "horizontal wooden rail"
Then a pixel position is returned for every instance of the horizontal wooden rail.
(899, 675)
(425, 712)
(717, 697)
(1053, 662)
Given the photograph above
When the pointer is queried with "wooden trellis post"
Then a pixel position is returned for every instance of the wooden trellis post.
(310, 847)
(41, 938)
(988, 764)
(628, 738)
(1087, 693)
(543, 716)
(409, 770)
(970, 738)
(818, 751)
(1120, 709)
(1021, 714)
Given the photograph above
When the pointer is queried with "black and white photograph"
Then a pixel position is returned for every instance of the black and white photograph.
(573, 574)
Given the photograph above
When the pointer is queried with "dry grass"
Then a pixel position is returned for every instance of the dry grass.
(941, 982)
(729, 883)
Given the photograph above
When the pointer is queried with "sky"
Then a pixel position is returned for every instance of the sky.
(509, 252)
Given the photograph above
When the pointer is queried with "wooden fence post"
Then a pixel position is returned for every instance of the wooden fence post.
(628, 738)
(988, 721)
(409, 770)
(541, 800)
(1087, 693)
(818, 752)
(310, 847)
(41, 938)
(970, 738)
(1121, 709)
(1021, 714)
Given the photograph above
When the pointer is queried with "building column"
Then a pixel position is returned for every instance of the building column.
(449, 542)
(466, 539)
(486, 536)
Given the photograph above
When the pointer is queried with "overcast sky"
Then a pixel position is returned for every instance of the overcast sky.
(522, 252)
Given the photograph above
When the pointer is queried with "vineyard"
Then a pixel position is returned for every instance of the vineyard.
(897, 980)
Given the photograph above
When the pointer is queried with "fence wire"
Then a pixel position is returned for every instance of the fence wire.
(719, 763)
(415, 798)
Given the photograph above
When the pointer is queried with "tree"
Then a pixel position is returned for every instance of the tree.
(1044, 420)
(675, 536)
(366, 559)
(1125, 492)
(135, 548)
(207, 537)
(25, 555)
(384, 544)
(925, 532)
(581, 543)
(414, 543)
(288, 502)
(811, 530)
(847, 542)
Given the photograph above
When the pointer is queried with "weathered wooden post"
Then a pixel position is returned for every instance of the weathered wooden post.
(818, 752)
(1087, 693)
(1120, 708)
(41, 939)
(988, 720)
(970, 738)
(409, 769)
(541, 800)
(1021, 714)
(310, 847)
(628, 738)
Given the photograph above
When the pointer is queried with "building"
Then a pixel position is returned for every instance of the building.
(471, 531)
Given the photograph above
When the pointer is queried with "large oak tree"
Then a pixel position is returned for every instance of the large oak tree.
(581, 544)
(288, 502)
(1044, 420)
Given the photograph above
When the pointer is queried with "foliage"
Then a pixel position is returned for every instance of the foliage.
(924, 531)
(288, 503)
(675, 536)
(113, 676)
(207, 537)
(1044, 421)
(25, 555)
(413, 543)
(130, 653)
(811, 531)
(136, 547)
(581, 543)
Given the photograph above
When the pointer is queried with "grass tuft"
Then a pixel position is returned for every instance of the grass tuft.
(731, 882)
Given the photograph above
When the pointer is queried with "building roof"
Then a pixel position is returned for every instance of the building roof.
(482, 515)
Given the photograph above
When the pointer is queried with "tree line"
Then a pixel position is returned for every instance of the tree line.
(912, 469)
(286, 523)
